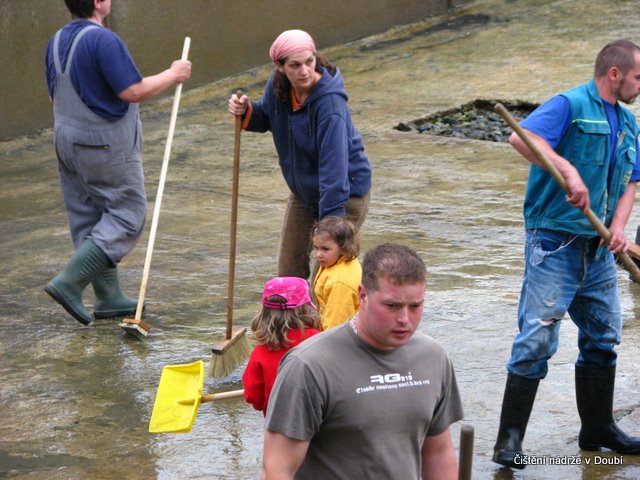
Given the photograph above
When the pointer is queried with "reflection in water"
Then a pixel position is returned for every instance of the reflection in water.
(76, 401)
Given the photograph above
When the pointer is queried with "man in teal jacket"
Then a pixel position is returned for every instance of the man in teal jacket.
(592, 140)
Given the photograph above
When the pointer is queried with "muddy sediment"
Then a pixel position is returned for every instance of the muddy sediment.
(474, 120)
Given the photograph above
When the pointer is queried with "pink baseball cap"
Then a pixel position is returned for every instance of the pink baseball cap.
(294, 290)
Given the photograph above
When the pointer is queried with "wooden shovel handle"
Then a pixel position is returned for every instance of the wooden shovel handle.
(624, 258)
(210, 397)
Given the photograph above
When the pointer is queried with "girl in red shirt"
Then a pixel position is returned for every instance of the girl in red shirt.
(287, 318)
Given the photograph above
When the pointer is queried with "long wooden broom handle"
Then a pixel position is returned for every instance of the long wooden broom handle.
(624, 258)
(237, 126)
(209, 397)
(163, 176)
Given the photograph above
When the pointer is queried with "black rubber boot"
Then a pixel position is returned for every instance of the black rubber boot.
(594, 396)
(519, 395)
(110, 301)
(67, 287)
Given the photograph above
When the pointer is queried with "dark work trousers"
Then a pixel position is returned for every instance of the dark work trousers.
(295, 237)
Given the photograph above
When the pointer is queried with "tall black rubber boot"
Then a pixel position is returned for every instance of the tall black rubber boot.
(519, 395)
(110, 301)
(66, 288)
(594, 396)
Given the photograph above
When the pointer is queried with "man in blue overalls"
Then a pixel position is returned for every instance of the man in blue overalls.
(95, 88)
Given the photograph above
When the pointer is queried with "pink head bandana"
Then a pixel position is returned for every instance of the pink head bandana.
(289, 42)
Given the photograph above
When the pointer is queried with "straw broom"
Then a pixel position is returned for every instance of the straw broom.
(228, 354)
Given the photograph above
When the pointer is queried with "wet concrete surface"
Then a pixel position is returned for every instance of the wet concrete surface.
(76, 401)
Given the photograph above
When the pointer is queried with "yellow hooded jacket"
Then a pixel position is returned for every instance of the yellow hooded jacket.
(336, 291)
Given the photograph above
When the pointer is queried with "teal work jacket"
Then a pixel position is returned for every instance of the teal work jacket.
(586, 146)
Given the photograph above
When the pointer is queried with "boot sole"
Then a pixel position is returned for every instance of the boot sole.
(53, 293)
(593, 447)
(106, 314)
(507, 460)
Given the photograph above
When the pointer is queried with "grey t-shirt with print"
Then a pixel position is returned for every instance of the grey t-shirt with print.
(364, 411)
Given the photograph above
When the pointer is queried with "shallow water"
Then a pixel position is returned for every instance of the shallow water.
(76, 401)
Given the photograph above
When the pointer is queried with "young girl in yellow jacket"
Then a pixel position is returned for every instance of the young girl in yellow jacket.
(335, 286)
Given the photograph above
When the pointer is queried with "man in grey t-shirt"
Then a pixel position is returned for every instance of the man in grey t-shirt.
(372, 398)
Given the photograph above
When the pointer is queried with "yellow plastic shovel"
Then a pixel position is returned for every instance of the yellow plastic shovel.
(179, 396)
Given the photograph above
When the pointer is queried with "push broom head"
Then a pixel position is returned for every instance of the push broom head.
(135, 327)
(229, 354)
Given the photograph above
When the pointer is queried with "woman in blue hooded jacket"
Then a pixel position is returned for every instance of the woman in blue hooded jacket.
(320, 152)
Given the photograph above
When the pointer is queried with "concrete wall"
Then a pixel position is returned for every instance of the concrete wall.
(226, 37)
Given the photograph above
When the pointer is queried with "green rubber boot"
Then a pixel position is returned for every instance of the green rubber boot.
(66, 288)
(110, 301)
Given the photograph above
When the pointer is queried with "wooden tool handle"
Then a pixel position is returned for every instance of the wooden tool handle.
(466, 452)
(624, 258)
(237, 126)
(159, 193)
(209, 397)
